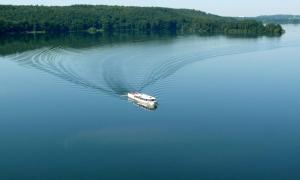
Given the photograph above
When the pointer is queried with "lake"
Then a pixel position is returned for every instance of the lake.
(228, 107)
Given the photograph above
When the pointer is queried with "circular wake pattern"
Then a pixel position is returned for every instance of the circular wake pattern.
(116, 70)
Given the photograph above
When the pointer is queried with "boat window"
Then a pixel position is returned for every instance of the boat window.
(144, 99)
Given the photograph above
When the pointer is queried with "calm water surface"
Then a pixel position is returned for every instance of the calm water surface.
(228, 107)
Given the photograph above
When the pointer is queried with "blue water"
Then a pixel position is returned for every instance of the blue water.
(228, 108)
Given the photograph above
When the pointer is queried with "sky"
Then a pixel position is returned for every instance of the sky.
(219, 7)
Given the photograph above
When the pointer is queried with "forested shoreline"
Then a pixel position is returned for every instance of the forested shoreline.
(100, 18)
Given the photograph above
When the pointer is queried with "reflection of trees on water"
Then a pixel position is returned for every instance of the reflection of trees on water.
(25, 42)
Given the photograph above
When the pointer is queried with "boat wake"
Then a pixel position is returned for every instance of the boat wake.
(117, 70)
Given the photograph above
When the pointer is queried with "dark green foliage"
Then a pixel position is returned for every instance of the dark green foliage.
(57, 19)
(274, 29)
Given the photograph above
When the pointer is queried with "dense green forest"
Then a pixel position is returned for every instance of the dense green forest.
(100, 18)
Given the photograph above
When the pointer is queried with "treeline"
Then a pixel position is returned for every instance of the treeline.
(94, 18)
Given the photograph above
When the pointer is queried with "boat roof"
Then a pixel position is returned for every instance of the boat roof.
(144, 96)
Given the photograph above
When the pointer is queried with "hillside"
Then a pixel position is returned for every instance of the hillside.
(99, 18)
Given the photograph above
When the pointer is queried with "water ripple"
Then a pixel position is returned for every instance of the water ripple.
(135, 67)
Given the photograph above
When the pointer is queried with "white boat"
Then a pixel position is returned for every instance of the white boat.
(144, 100)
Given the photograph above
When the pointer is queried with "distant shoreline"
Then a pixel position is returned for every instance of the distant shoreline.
(280, 19)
